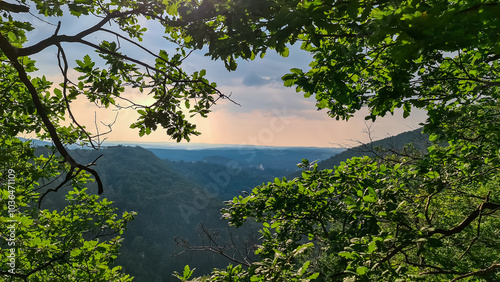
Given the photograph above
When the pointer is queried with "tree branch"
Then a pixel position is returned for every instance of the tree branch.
(15, 8)
(64, 71)
(484, 271)
(467, 221)
(438, 270)
(212, 247)
(10, 52)
(68, 178)
(55, 39)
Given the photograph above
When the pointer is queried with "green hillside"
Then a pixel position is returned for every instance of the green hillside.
(225, 179)
(173, 198)
(168, 205)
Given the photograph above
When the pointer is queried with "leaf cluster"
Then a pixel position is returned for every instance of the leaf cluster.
(79, 242)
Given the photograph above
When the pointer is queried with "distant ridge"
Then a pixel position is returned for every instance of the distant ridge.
(35, 142)
(254, 156)
(274, 157)
(419, 140)
(200, 146)
(185, 146)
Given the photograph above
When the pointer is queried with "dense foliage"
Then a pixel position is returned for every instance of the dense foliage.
(78, 242)
(414, 215)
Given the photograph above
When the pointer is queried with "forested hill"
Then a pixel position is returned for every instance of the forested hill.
(415, 137)
(172, 198)
(168, 205)
(228, 179)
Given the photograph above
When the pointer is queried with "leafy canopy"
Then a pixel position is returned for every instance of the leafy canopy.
(410, 215)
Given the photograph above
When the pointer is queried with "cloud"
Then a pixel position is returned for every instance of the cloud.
(253, 79)
(267, 98)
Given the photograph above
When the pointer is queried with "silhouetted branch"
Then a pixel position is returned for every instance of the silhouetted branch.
(69, 176)
(15, 8)
(214, 247)
(10, 52)
(64, 71)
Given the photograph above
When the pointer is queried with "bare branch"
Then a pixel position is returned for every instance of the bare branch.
(9, 51)
(64, 71)
(215, 247)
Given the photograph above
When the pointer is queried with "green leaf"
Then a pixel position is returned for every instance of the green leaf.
(58, 93)
(347, 255)
(86, 60)
(372, 247)
(255, 278)
(369, 199)
(187, 272)
(362, 270)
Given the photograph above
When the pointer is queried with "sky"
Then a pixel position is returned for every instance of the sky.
(267, 112)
